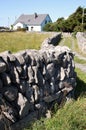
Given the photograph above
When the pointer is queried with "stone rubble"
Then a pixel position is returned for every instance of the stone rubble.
(81, 38)
(30, 80)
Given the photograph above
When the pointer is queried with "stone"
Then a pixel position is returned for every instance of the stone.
(62, 74)
(36, 92)
(33, 80)
(18, 66)
(48, 114)
(14, 75)
(23, 74)
(20, 58)
(50, 69)
(24, 105)
(53, 97)
(1, 84)
(10, 93)
(2, 66)
(6, 79)
(22, 86)
(2, 123)
(11, 57)
(31, 75)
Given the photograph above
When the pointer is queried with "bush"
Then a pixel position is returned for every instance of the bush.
(21, 29)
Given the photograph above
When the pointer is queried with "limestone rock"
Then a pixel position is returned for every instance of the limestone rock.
(10, 93)
(24, 105)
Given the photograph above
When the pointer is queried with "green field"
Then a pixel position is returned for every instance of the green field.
(71, 116)
(15, 41)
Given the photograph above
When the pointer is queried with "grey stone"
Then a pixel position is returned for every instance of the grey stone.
(33, 80)
(22, 86)
(1, 84)
(23, 74)
(24, 105)
(18, 66)
(62, 74)
(2, 66)
(50, 69)
(20, 58)
(11, 58)
(31, 75)
(14, 75)
(51, 98)
(10, 93)
(6, 79)
(2, 123)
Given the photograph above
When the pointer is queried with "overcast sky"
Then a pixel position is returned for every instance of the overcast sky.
(10, 10)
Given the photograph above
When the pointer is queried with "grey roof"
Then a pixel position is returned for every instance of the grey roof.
(34, 19)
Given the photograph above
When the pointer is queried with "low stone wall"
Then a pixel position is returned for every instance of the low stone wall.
(81, 38)
(30, 82)
(54, 39)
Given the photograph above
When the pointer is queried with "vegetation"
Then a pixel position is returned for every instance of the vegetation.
(71, 116)
(73, 23)
(81, 61)
(15, 41)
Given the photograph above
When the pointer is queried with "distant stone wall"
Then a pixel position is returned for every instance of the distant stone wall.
(81, 38)
(54, 39)
(30, 82)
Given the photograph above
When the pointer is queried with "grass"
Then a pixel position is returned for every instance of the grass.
(80, 61)
(66, 42)
(71, 117)
(81, 84)
(15, 41)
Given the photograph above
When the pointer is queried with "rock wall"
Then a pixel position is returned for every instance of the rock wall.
(81, 38)
(30, 82)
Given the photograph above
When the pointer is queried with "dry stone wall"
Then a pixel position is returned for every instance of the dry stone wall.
(31, 80)
(81, 38)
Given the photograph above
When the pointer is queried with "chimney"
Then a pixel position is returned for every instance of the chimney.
(35, 15)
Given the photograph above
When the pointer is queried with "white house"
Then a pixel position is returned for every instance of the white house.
(34, 22)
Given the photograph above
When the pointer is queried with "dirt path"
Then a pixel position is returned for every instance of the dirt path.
(77, 65)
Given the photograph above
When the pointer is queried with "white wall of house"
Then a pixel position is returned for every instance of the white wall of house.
(19, 25)
(34, 28)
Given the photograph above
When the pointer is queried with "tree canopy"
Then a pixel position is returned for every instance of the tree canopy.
(74, 23)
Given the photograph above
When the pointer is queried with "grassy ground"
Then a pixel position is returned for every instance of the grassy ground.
(73, 115)
(80, 61)
(15, 41)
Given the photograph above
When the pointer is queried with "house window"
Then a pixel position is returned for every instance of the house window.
(31, 28)
(27, 28)
(45, 21)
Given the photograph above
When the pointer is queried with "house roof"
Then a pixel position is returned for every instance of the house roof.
(34, 19)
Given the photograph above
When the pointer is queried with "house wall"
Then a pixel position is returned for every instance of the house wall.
(40, 27)
(34, 28)
(47, 20)
(19, 25)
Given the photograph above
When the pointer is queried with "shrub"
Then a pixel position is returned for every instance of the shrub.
(21, 29)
